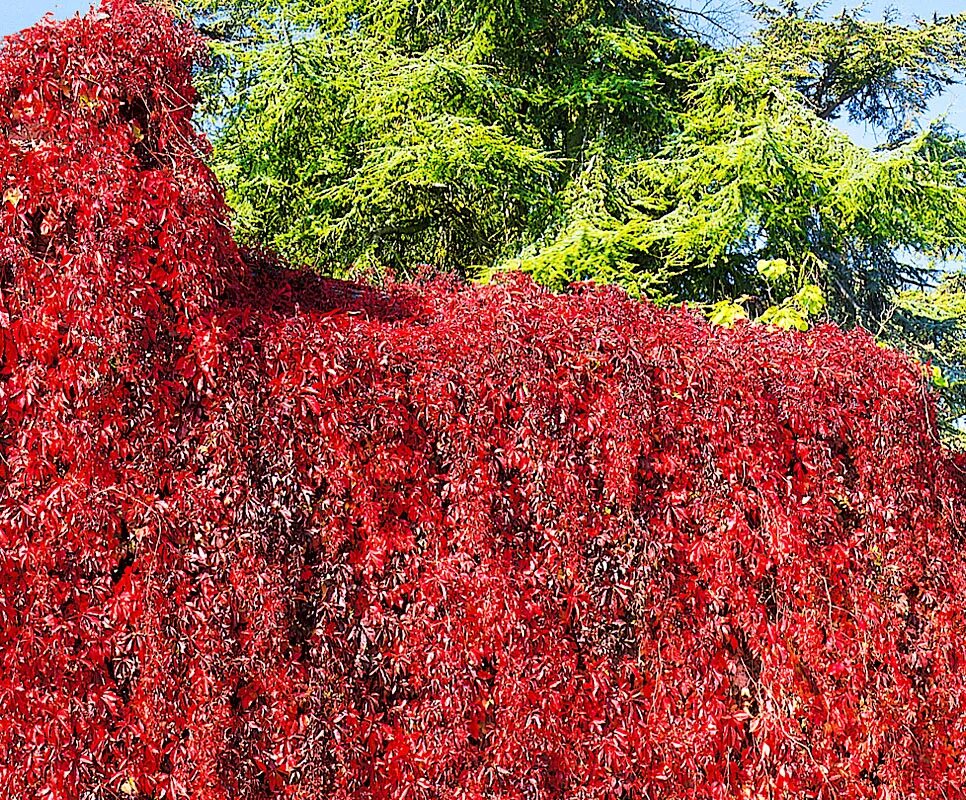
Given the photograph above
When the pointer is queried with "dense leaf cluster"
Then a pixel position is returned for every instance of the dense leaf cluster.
(266, 535)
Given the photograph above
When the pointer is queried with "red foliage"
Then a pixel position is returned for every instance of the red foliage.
(263, 535)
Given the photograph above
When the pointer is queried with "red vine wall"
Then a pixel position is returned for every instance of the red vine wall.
(264, 535)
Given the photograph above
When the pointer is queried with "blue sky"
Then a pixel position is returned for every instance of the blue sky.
(17, 14)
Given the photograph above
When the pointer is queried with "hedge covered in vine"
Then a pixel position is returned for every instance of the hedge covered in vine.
(266, 535)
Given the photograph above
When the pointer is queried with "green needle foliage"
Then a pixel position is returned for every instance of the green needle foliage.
(354, 135)
(753, 174)
(876, 72)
